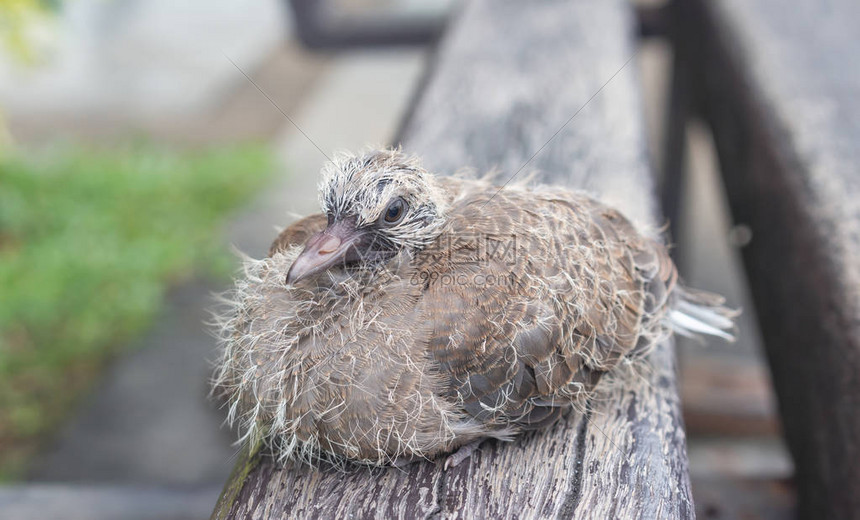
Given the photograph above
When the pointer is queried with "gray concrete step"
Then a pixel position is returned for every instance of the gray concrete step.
(106, 502)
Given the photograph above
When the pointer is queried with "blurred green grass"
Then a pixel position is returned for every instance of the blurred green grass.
(90, 240)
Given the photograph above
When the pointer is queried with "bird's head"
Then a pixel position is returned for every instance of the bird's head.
(378, 204)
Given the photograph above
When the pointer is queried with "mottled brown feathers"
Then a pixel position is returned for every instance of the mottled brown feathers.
(566, 305)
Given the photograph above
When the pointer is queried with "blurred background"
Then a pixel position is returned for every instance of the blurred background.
(143, 142)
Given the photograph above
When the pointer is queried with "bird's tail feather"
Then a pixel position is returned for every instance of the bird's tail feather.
(702, 313)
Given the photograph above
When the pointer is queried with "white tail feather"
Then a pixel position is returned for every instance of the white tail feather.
(698, 312)
(718, 318)
(687, 325)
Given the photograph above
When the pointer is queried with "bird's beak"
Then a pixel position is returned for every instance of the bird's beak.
(337, 244)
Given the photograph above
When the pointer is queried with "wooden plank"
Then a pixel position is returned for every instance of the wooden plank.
(739, 497)
(781, 89)
(726, 395)
(507, 76)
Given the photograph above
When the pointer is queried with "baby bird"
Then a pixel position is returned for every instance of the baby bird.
(417, 315)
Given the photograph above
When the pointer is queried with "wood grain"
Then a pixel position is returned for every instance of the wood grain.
(781, 89)
(506, 77)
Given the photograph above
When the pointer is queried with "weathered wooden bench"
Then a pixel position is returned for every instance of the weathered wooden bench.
(523, 85)
(780, 87)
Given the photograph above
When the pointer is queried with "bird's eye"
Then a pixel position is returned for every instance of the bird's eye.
(395, 211)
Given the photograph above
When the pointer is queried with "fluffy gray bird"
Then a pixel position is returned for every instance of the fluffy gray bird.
(418, 314)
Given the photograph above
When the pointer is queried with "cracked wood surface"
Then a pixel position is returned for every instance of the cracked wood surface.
(506, 77)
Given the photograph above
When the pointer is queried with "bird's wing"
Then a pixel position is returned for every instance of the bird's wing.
(563, 308)
(298, 232)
